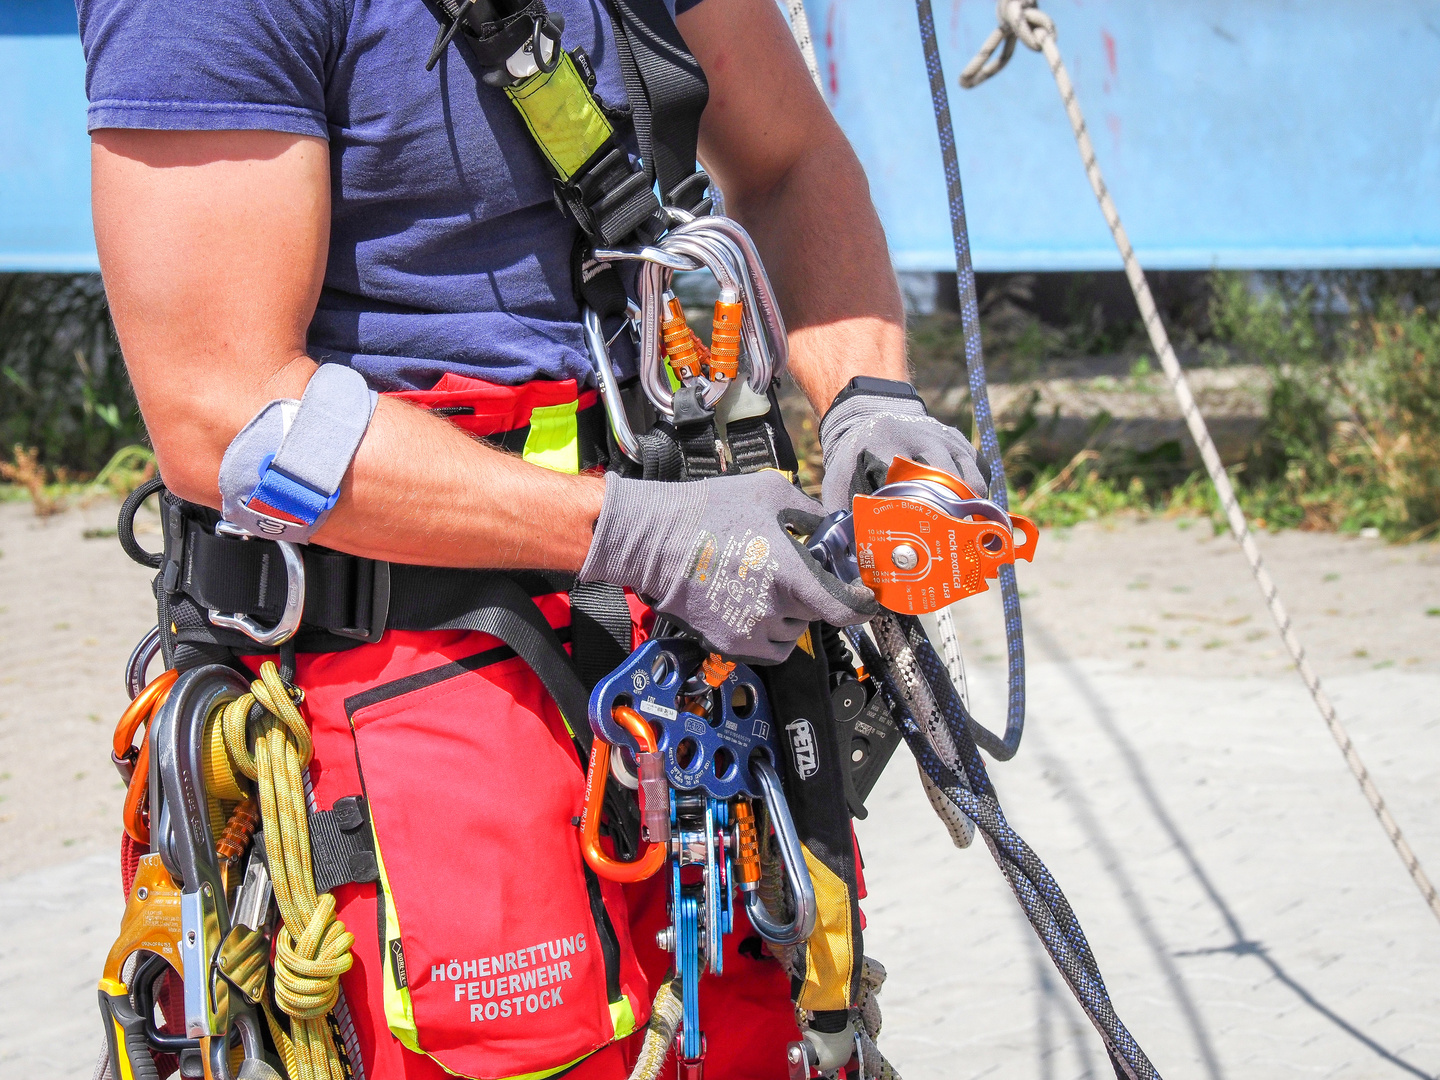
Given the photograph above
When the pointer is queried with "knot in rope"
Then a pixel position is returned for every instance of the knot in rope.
(308, 970)
(313, 947)
(277, 705)
(1018, 20)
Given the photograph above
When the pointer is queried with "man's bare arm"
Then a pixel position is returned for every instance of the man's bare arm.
(790, 177)
(213, 247)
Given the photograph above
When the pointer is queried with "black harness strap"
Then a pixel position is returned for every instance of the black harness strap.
(342, 847)
(600, 633)
(498, 606)
(667, 92)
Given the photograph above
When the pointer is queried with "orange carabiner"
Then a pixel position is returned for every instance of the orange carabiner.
(146, 704)
(654, 855)
(140, 710)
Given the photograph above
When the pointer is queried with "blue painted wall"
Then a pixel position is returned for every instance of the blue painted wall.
(44, 151)
(1237, 133)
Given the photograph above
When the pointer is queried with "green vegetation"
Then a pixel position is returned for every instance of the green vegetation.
(1350, 439)
(66, 394)
(68, 418)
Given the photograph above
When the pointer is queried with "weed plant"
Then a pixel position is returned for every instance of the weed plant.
(1351, 436)
(65, 394)
(1350, 439)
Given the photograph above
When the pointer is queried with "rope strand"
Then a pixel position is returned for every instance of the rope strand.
(313, 947)
(1022, 20)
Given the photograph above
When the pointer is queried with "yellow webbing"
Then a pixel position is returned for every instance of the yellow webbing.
(313, 949)
(829, 954)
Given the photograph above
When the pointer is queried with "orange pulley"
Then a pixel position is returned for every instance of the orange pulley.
(923, 540)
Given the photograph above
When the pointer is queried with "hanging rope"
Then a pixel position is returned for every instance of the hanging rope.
(967, 786)
(1023, 21)
(313, 948)
(800, 27)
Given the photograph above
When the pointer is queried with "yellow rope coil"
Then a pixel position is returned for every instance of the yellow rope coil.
(313, 948)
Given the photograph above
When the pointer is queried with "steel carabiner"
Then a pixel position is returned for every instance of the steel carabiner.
(289, 621)
(792, 855)
(187, 846)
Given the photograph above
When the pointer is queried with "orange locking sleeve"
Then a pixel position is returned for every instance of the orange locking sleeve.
(747, 845)
(244, 820)
(680, 343)
(725, 337)
(716, 669)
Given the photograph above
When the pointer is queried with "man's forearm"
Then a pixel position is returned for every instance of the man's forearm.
(421, 491)
(825, 251)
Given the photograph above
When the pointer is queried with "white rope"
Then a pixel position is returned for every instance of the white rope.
(800, 28)
(1022, 20)
(920, 703)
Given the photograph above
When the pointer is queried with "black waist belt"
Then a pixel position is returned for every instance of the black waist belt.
(345, 595)
(348, 599)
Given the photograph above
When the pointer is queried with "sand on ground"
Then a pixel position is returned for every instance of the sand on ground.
(1247, 912)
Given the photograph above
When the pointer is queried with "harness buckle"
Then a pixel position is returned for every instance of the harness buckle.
(379, 606)
(289, 621)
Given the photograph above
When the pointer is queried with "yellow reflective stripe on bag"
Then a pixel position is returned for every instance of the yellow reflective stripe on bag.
(563, 116)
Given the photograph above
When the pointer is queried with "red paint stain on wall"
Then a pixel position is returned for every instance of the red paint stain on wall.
(832, 69)
(1113, 123)
(1109, 50)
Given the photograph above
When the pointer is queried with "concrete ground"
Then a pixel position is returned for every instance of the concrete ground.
(1248, 914)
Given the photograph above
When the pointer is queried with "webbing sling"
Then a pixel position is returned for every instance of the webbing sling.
(600, 634)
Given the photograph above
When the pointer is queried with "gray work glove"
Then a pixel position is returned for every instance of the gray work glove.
(723, 557)
(865, 432)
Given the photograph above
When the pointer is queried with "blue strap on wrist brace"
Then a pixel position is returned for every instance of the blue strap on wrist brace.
(281, 475)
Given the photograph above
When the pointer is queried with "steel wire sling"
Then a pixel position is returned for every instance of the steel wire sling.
(1023, 20)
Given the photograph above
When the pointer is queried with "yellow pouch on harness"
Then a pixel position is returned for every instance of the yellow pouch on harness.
(563, 116)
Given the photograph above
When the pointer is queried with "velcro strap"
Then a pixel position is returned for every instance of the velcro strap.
(342, 847)
(306, 471)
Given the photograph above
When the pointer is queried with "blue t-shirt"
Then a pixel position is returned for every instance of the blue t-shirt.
(447, 250)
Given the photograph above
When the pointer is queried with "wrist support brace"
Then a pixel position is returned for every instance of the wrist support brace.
(281, 475)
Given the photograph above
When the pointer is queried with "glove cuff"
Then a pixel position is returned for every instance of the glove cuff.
(642, 533)
(861, 407)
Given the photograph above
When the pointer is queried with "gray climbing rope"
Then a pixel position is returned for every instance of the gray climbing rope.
(1022, 20)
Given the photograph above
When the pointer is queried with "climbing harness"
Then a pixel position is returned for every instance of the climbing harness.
(1023, 20)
